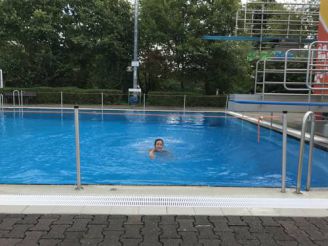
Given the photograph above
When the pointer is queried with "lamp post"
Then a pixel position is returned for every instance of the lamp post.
(135, 61)
(1, 79)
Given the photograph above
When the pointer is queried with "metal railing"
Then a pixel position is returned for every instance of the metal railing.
(308, 115)
(104, 100)
(1, 102)
(288, 22)
(300, 70)
(19, 98)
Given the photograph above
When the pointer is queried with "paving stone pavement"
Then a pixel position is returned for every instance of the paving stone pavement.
(120, 230)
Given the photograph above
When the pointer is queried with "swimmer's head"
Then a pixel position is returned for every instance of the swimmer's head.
(159, 144)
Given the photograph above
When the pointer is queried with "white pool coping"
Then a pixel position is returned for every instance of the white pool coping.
(161, 200)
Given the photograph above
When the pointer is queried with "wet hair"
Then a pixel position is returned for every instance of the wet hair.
(158, 139)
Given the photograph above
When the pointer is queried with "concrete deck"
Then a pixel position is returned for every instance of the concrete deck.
(94, 199)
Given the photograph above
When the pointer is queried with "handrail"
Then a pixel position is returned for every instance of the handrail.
(301, 152)
(19, 98)
(1, 102)
(285, 72)
(310, 64)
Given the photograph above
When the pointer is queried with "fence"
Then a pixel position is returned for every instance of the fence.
(62, 99)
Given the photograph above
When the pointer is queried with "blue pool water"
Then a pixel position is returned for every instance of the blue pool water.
(39, 148)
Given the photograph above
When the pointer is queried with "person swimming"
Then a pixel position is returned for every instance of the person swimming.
(158, 148)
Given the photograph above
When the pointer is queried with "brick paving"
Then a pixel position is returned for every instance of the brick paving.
(120, 230)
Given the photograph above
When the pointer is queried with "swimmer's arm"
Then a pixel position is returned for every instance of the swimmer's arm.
(152, 154)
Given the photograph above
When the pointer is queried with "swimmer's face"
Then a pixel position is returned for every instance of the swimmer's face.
(159, 146)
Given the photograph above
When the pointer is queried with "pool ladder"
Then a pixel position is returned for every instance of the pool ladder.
(1, 102)
(19, 98)
(309, 116)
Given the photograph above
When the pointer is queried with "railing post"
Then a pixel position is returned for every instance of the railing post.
(308, 181)
(61, 99)
(1, 102)
(1, 80)
(144, 101)
(184, 102)
(22, 98)
(77, 146)
(284, 152)
(301, 153)
(102, 101)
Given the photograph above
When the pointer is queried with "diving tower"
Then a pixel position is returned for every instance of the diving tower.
(297, 79)
(281, 24)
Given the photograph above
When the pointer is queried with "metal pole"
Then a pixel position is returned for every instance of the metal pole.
(61, 99)
(284, 151)
(77, 146)
(308, 181)
(271, 114)
(102, 101)
(226, 104)
(184, 103)
(22, 98)
(144, 101)
(135, 46)
(1, 79)
(300, 158)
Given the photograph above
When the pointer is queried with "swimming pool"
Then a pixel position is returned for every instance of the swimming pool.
(206, 149)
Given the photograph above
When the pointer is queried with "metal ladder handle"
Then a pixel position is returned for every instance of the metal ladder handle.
(1, 101)
(19, 98)
(301, 152)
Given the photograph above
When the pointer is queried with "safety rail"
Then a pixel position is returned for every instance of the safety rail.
(309, 66)
(1, 102)
(286, 23)
(317, 58)
(308, 115)
(20, 98)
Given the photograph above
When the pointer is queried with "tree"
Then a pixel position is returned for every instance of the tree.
(174, 29)
(65, 42)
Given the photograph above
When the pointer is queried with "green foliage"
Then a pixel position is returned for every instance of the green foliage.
(65, 42)
(172, 48)
(88, 44)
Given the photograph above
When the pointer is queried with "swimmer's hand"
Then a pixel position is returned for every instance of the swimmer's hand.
(152, 154)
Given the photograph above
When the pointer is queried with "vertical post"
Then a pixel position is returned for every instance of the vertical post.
(135, 62)
(77, 146)
(226, 108)
(284, 152)
(1, 79)
(22, 98)
(263, 80)
(300, 158)
(184, 103)
(271, 114)
(61, 99)
(102, 101)
(236, 25)
(262, 19)
(308, 181)
(144, 101)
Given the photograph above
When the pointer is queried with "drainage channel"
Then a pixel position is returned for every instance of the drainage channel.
(164, 201)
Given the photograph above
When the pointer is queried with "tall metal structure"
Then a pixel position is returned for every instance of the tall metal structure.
(1, 79)
(278, 24)
(135, 62)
